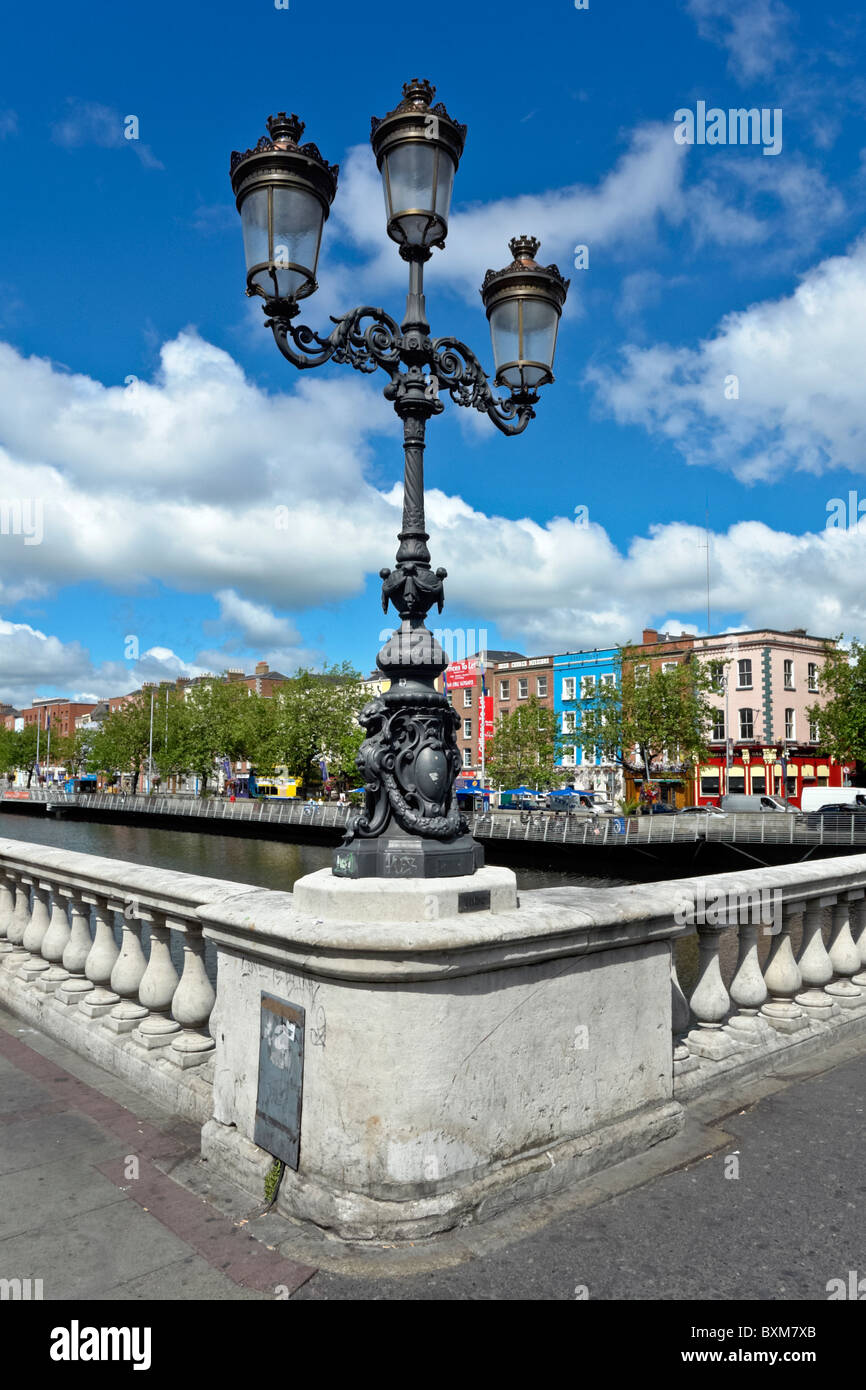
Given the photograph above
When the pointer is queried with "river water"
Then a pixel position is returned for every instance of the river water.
(277, 864)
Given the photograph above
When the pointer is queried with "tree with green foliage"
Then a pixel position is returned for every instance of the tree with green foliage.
(212, 725)
(315, 717)
(842, 719)
(26, 742)
(524, 748)
(121, 745)
(648, 717)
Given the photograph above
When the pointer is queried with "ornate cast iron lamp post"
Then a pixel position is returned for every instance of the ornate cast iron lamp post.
(410, 825)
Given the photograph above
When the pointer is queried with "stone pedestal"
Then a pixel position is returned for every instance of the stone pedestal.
(460, 1052)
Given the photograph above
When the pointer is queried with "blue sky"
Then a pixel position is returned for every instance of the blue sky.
(145, 408)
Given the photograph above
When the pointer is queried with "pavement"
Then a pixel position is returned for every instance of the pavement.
(104, 1196)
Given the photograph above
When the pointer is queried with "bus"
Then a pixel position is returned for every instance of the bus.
(266, 788)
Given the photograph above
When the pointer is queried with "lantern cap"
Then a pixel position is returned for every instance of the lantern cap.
(524, 275)
(279, 151)
(411, 119)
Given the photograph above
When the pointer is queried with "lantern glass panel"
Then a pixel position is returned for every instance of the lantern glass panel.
(505, 334)
(282, 230)
(540, 320)
(298, 218)
(254, 222)
(419, 177)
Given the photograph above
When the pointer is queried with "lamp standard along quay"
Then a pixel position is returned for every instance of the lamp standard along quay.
(410, 826)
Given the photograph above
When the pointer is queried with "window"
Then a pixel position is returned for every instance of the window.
(569, 722)
(744, 676)
(523, 688)
(789, 724)
(467, 728)
(717, 675)
(747, 724)
(670, 665)
(814, 735)
(467, 699)
(813, 676)
(759, 783)
(568, 757)
(718, 726)
(641, 672)
(505, 690)
(541, 687)
(710, 785)
(587, 687)
(609, 679)
(467, 757)
(568, 684)
(789, 675)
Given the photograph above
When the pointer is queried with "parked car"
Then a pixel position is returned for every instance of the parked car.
(836, 815)
(709, 810)
(661, 808)
(813, 798)
(736, 801)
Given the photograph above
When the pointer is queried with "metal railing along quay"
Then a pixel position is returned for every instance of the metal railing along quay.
(533, 827)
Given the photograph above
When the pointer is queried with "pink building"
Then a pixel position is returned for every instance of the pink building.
(766, 681)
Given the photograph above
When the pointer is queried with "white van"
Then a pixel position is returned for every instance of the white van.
(737, 801)
(815, 797)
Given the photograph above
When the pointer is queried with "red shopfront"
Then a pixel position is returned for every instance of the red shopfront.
(767, 770)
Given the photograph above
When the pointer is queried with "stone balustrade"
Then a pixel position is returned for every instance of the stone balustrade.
(477, 1051)
(801, 996)
(72, 962)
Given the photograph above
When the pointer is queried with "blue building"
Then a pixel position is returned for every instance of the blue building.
(577, 676)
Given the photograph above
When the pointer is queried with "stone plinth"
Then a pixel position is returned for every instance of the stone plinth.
(455, 1061)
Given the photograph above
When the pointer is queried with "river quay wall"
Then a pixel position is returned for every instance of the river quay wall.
(637, 848)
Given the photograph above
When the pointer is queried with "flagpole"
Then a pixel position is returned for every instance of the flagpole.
(150, 748)
(38, 731)
(48, 751)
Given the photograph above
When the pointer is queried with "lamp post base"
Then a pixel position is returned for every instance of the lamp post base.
(395, 854)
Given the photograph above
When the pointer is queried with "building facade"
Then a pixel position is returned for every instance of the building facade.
(577, 679)
(762, 738)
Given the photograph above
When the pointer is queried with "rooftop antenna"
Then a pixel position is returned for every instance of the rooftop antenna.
(707, 547)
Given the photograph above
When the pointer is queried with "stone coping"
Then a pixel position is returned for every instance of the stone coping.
(176, 894)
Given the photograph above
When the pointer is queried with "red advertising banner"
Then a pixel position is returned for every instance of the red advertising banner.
(485, 724)
(461, 674)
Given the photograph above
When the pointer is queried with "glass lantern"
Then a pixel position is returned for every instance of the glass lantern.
(284, 194)
(418, 148)
(524, 304)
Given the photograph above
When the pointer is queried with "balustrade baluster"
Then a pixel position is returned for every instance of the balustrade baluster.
(158, 985)
(815, 965)
(72, 990)
(192, 1003)
(7, 910)
(101, 958)
(858, 931)
(18, 925)
(54, 943)
(33, 967)
(748, 989)
(846, 961)
(783, 979)
(127, 974)
(710, 1001)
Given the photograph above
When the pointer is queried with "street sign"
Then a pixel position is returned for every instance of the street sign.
(619, 825)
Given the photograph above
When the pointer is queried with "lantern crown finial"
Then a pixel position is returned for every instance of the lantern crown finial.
(524, 248)
(285, 130)
(419, 92)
